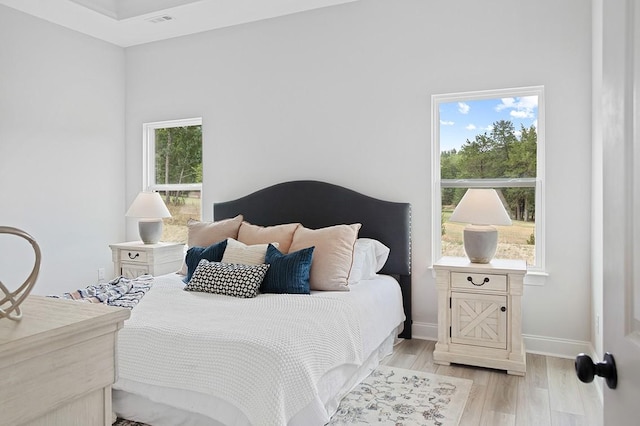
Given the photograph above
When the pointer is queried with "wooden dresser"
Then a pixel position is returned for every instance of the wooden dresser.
(57, 364)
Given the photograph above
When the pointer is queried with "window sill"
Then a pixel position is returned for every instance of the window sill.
(536, 278)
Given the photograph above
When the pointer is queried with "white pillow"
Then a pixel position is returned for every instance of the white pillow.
(369, 256)
(240, 253)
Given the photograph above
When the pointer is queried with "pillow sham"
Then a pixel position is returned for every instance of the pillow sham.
(288, 273)
(237, 252)
(369, 256)
(203, 234)
(213, 253)
(377, 256)
(254, 234)
(332, 256)
(228, 279)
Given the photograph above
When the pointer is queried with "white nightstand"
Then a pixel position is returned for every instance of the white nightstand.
(479, 313)
(136, 258)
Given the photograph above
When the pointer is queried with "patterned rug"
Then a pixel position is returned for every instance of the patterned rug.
(397, 397)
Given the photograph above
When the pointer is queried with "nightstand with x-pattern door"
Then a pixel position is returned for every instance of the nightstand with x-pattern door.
(479, 313)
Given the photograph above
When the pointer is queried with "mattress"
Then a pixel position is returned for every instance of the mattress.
(188, 358)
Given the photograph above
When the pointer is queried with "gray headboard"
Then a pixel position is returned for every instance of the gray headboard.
(319, 204)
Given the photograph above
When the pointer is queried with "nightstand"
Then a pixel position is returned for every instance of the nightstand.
(136, 258)
(479, 313)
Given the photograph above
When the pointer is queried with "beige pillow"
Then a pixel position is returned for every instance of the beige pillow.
(203, 234)
(237, 252)
(254, 234)
(332, 256)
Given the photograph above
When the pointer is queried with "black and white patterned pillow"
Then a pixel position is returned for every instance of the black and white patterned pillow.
(230, 279)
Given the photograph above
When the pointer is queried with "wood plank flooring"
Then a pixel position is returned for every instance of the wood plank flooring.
(549, 394)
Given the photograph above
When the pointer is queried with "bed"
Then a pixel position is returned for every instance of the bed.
(195, 358)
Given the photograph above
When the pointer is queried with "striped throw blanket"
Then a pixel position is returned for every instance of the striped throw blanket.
(120, 291)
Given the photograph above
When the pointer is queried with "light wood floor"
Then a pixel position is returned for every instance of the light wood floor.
(549, 394)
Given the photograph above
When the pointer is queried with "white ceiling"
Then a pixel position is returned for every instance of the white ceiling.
(128, 22)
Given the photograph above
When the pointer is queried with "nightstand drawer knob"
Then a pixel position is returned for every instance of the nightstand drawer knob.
(486, 280)
(133, 257)
(503, 309)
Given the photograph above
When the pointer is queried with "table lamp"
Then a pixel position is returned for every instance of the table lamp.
(150, 209)
(481, 209)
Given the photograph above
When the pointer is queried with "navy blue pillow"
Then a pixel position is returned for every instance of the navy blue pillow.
(213, 253)
(287, 273)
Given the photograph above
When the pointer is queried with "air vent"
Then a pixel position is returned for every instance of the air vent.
(159, 19)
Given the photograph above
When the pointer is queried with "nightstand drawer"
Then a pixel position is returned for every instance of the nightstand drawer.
(133, 256)
(475, 281)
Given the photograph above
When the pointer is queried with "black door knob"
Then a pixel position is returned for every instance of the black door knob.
(587, 370)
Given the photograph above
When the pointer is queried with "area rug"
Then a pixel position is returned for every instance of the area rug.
(395, 396)
(398, 397)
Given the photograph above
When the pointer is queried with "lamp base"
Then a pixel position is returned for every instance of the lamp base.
(150, 230)
(480, 242)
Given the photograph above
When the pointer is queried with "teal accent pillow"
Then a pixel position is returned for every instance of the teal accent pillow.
(287, 273)
(213, 253)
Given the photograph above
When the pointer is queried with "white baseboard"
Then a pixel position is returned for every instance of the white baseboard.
(424, 331)
(552, 346)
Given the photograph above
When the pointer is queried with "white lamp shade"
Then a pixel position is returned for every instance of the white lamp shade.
(148, 205)
(481, 207)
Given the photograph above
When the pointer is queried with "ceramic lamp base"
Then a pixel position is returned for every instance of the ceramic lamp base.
(150, 230)
(480, 242)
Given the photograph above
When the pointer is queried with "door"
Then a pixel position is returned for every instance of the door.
(621, 196)
(479, 319)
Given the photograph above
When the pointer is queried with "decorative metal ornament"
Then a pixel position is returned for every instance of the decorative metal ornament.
(10, 300)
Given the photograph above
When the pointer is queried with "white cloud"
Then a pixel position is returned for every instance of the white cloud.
(506, 103)
(446, 123)
(470, 127)
(522, 107)
(520, 114)
(463, 108)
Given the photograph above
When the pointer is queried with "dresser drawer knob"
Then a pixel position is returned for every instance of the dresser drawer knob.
(503, 309)
(133, 257)
(486, 280)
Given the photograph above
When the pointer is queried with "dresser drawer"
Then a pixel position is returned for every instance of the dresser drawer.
(133, 256)
(475, 281)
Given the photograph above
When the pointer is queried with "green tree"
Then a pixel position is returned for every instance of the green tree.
(449, 170)
(498, 154)
(178, 157)
(477, 158)
(522, 163)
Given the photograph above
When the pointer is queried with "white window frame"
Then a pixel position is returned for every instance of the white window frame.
(149, 151)
(535, 273)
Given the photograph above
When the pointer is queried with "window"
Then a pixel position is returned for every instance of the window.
(173, 167)
(491, 139)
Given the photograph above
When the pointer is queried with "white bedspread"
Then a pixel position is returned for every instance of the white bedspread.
(265, 356)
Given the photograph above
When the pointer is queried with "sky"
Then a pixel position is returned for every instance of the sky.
(462, 120)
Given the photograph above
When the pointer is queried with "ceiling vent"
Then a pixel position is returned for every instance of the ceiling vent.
(159, 19)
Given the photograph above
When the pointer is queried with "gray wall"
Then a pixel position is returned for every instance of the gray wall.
(62, 173)
(342, 94)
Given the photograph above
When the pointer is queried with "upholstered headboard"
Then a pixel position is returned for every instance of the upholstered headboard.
(319, 204)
